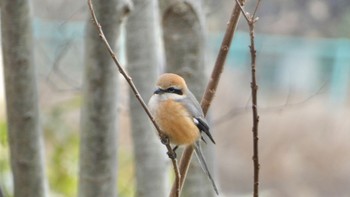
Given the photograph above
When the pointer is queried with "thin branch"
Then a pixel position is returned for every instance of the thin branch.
(122, 71)
(221, 58)
(256, 9)
(245, 14)
(56, 71)
(254, 87)
(211, 88)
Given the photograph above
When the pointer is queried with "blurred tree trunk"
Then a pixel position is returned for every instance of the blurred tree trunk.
(25, 137)
(143, 56)
(184, 41)
(98, 146)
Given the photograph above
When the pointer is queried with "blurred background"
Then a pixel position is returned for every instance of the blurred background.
(303, 71)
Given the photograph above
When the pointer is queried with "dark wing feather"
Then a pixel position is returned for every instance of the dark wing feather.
(203, 126)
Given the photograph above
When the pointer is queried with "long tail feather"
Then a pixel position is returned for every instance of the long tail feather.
(203, 164)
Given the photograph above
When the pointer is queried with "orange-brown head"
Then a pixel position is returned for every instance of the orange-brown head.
(171, 83)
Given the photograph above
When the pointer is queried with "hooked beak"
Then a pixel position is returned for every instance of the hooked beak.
(158, 91)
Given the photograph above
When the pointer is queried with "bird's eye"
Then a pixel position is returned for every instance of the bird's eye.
(174, 90)
(171, 90)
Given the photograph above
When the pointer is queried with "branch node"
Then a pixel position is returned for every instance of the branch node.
(256, 19)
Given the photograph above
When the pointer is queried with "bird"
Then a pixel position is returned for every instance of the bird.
(180, 117)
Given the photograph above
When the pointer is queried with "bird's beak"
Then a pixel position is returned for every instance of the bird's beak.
(158, 91)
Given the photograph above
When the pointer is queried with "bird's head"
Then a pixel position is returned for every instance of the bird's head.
(172, 85)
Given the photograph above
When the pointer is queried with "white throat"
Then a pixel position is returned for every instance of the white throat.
(157, 98)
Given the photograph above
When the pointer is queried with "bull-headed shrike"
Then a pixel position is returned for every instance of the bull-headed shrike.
(179, 116)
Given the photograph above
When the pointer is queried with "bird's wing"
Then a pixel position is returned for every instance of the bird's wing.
(203, 126)
(203, 164)
(192, 105)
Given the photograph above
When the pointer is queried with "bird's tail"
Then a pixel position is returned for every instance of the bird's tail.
(203, 164)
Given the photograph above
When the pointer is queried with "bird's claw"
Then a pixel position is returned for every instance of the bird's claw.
(172, 154)
(164, 139)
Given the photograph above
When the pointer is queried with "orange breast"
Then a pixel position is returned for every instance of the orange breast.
(176, 123)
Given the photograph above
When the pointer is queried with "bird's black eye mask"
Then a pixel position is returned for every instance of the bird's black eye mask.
(169, 90)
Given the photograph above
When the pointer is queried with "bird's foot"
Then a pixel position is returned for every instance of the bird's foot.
(172, 155)
(164, 139)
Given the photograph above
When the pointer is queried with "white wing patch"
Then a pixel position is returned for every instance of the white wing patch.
(195, 121)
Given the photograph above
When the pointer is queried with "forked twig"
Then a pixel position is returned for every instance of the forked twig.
(251, 20)
(122, 71)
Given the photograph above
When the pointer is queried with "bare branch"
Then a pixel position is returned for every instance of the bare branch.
(245, 14)
(256, 9)
(254, 88)
(122, 71)
(57, 71)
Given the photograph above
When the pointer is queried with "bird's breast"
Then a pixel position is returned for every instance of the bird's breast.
(175, 122)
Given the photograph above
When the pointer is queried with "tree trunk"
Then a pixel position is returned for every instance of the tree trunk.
(143, 58)
(98, 148)
(25, 137)
(184, 41)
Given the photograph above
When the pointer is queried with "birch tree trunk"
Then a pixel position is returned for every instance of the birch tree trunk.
(143, 60)
(184, 41)
(98, 148)
(25, 137)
